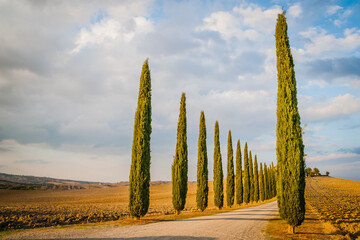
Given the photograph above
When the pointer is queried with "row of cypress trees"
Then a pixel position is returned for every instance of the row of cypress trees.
(256, 185)
(246, 189)
(139, 179)
(290, 171)
(247, 185)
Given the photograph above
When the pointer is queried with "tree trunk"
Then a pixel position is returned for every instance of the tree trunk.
(292, 229)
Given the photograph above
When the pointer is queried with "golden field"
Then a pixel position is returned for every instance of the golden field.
(332, 211)
(337, 201)
(42, 208)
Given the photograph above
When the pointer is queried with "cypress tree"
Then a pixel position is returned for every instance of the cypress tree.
(256, 181)
(230, 184)
(275, 177)
(139, 179)
(271, 177)
(180, 165)
(262, 189)
(251, 174)
(246, 195)
(273, 171)
(218, 171)
(270, 182)
(238, 176)
(202, 167)
(289, 143)
(266, 180)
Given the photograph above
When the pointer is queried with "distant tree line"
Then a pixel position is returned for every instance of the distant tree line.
(314, 172)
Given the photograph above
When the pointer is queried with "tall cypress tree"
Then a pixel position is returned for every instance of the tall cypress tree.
(238, 176)
(270, 182)
(218, 171)
(139, 179)
(202, 167)
(266, 182)
(251, 174)
(274, 178)
(230, 182)
(256, 180)
(246, 195)
(180, 165)
(289, 143)
(262, 189)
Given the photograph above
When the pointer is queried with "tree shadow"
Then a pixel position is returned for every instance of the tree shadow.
(250, 214)
(231, 219)
(139, 238)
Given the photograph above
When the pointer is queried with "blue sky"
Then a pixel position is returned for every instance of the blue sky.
(69, 75)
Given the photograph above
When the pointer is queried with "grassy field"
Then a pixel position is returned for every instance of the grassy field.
(332, 212)
(21, 209)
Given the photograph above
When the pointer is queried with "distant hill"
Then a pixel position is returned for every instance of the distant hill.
(32, 180)
(12, 181)
(21, 182)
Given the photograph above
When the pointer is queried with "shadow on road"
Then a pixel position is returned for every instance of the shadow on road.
(139, 238)
(231, 219)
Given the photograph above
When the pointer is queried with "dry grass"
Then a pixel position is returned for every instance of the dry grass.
(21, 209)
(311, 228)
(332, 211)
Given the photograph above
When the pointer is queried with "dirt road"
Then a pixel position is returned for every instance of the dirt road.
(246, 223)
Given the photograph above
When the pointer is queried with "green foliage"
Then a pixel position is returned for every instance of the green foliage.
(262, 185)
(251, 174)
(273, 180)
(271, 192)
(238, 176)
(246, 195)
(218, 171)
(202, 167)
(256, 180)
(266, 182)
(230, 184)
(308, 172)
(139, 180)
(289, 143)
(180, 164)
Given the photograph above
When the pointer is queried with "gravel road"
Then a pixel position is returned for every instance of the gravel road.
(246, 223)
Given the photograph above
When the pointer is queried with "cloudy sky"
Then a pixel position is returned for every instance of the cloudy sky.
(69, 78)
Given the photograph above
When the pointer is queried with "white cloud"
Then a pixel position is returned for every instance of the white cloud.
(335, 108)
(346, 13)
(331, 156)
(253, 16)
(108, 30)
(222, 22)
(243, 22)
(295, 10)
(321, 42)
(331, 10)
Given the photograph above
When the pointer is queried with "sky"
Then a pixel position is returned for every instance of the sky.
(70, 70)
